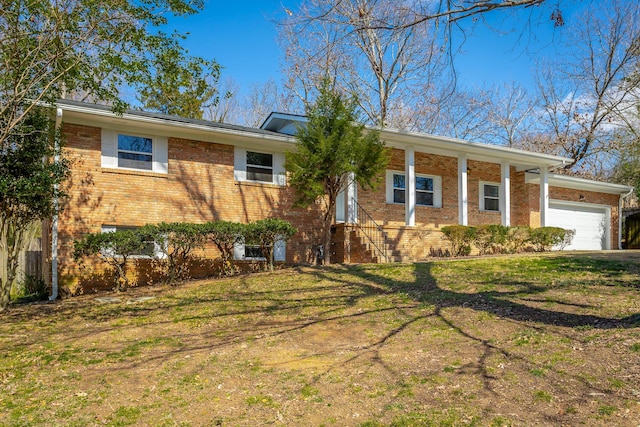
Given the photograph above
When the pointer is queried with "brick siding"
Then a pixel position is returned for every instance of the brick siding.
(198, 187)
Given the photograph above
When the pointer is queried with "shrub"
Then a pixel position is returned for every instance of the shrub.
(114, 249)
(490, 238)
(461, 237)
(225, 235)
(266, 232)
(175, 241)
(32, 288)
(545, 238)
(517, 237)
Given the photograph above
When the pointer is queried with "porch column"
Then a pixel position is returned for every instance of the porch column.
(505, 193)
(544, 195)
(463, 196)
(410, 186)
(351, 197)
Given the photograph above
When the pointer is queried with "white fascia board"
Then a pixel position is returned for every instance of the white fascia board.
(276, 121)
(475, 151)
(159, 126)
(565, 181)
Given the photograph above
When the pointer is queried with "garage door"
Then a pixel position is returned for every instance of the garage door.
(591, 224)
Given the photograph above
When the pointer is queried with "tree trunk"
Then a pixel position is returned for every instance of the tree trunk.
(329, 218)
(13, 239)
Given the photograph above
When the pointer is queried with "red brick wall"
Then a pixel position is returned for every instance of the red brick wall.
(199, 187)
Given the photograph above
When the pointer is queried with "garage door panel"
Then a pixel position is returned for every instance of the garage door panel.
(590, 224)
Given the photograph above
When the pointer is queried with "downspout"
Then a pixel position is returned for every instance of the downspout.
(54, 220)
(622, 197)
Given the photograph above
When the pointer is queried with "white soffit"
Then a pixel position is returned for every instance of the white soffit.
(565, 181)
(452, 147)
(199, 130)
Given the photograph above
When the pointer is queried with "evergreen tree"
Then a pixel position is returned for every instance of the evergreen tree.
(332, 151)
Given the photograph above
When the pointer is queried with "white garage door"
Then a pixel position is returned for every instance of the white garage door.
(591, 224)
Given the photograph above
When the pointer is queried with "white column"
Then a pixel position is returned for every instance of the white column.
(410, 186)
(351, 196)
(505, 193)
(544, 195)
(463, 196)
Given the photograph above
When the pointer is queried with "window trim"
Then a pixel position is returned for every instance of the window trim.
(144, 153)
(483, 197)
(271, 168)
(279, 176)
(437, 189)
(157, 253)
(109, 151)
(279, 252)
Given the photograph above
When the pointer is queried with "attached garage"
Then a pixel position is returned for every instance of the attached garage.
(590, 222)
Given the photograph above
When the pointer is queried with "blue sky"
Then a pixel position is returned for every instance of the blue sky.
(241, 37)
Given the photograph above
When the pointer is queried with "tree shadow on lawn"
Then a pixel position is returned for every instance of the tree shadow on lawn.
(426, 290)
(260, 315)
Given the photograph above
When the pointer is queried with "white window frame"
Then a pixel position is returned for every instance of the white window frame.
(437, 189)
(279, 176)
(159, 151)
(279, 252)
(260, 167)
(157, 253)
(482, 196)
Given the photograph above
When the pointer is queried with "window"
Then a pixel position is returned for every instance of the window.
(489, 197)
(424, 191)
(259, 166)
(398, 188)
(123, 150)
(135, 152)
(254, 252)
(149, 250)
(428, 189)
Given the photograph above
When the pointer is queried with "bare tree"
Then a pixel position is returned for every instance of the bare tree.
(590, 97)
(510, 113)
(384, 69)
(393, 56)
(261, 100)
(227, 104)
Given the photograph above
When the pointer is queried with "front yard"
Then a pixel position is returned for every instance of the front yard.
(524, 340)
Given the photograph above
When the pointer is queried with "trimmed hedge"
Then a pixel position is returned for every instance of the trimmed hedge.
(493, 238)
(175, 242)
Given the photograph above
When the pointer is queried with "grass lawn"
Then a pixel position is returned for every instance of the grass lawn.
(524, 340)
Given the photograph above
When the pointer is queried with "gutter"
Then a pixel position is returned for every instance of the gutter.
(54, 220)
(622, 197)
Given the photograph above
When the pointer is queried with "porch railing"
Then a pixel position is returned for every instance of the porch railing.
(372, 231)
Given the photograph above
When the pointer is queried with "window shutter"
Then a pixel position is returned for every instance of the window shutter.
(238, 251)
(389, 186)
(109, 154)
(108, 229)
(279, 172)
(240, 166)
(437, 191)
(160, 154)
(279, 250)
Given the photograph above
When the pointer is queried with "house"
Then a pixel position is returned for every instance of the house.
(137, 168)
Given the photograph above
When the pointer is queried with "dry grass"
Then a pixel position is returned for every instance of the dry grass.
(530, 340)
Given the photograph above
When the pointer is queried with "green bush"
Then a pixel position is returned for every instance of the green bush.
(545, 238)
(517, 237)
(461, 237)
(175, 241)
(490, 238)
(266, 232)
(32, 288)
(225, 235)
(114, 249)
